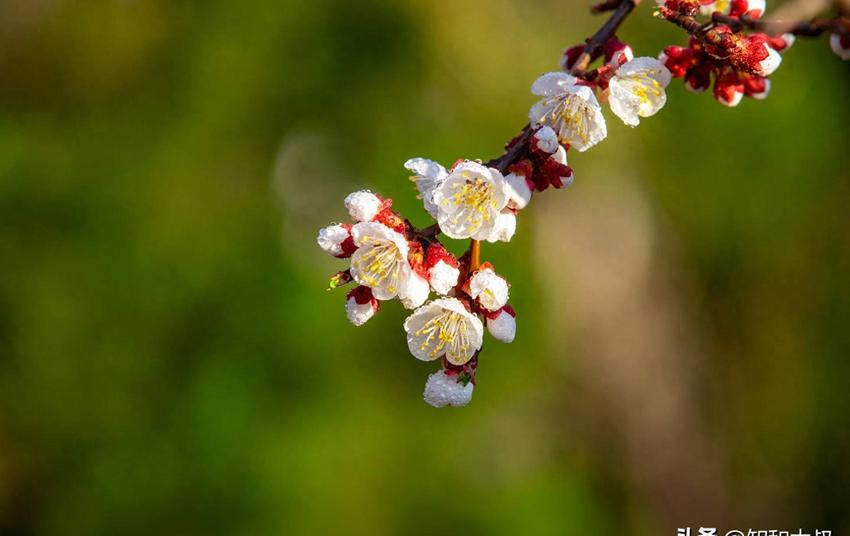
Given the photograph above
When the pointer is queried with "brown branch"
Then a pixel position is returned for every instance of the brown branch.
(775, 26)
(607, 31)
(518, 149)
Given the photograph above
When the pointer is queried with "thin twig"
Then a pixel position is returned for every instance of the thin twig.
(607, 31)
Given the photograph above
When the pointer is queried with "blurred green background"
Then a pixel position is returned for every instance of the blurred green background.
(171, 362)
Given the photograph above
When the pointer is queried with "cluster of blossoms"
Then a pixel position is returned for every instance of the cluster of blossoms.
(390, 258)
(739, 63)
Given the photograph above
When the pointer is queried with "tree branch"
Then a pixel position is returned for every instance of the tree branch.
(595, 42)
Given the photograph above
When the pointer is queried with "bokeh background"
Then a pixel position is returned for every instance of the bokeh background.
(170, 362)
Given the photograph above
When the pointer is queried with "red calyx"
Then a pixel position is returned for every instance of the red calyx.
(552, 171)
(611, 47)
(678, 60)
(416, 258)
(437, 252)
(570, 56)
(754, 85)
(392, 220)
(362, 295)
(727, 86)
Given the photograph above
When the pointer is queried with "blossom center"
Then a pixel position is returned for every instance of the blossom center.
(380, 262)
(474, 198)
(447, 329)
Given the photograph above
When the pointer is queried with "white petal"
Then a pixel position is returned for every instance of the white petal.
(502, 327)
(767, 66)
(505, 227)
(363, 232)
(516, 187)
(646, 67)
(759, 5)
(443, 277)
(553, 83)
(425, 168)
(330, 239)
(359, 313)
(625, 106)
(428, 175)
(416, 292)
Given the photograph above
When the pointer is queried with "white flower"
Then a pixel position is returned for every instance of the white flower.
(546, 140)
(840, 45)
(428, 175)
(360, 305)
(570, 109)
(502, 324)
(443, 390)
(332, 237)
(415, 293)
(363, 205)
(516, 187)
(444, 327)
(637, 89)
(505, 227)
(443, 277)
(380, 261)
(489, 289)
(469, 201)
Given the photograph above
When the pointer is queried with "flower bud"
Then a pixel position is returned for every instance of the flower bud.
(677, 60)
(443, 390)
(545, 139)
(442, 269)
(363, 205)
(335, 240)
(698, 78)
(759, 56)
(616, 52)
(556, 171)
(756, 87)
(728, 89)
(502, 324)
(360, 305)
(783, 42)
(840, 44)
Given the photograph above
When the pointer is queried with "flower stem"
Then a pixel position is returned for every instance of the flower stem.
(475, 255)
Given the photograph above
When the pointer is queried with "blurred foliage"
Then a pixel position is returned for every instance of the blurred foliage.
(170, 362)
